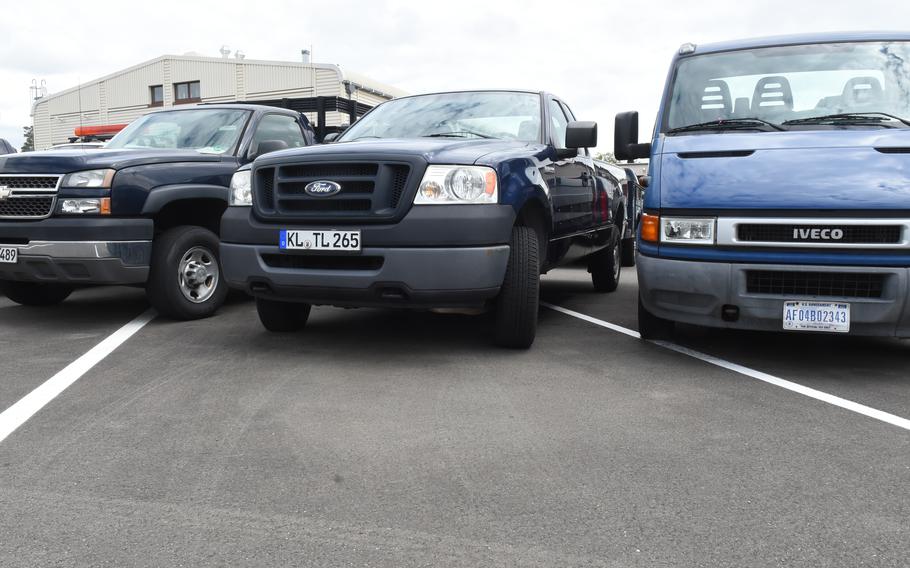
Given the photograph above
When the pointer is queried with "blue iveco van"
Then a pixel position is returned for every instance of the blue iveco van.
(779, 193)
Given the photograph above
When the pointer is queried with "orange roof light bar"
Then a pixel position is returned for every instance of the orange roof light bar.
(98, 130)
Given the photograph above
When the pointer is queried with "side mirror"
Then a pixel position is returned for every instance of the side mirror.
(331, 137)
(625, 138)
(267, 146)
(581, 134)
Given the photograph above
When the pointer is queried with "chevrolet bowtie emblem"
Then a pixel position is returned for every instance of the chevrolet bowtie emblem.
(5, 192)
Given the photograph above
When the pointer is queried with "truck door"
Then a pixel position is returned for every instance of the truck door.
(571, 183)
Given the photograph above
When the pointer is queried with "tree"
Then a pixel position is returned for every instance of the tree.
(29, 135)
(606, 157)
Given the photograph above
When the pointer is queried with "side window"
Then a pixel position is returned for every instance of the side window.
(278, 127)
(558, 124)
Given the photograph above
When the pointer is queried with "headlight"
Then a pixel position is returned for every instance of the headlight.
(241, 188)
(447, 185)
(687, 230)
(89, 178)
(85, 206)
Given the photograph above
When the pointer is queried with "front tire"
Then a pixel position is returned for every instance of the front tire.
(35, 293)
(282, 317)
(185, 280)
(519, 298)
(651, 326)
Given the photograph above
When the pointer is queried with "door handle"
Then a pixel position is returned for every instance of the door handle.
(549, 170)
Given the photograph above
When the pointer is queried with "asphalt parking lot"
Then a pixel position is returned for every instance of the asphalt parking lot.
(379, 438)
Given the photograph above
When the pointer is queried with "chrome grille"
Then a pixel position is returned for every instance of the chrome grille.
(25, 196)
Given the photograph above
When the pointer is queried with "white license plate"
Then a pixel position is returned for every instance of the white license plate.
(831, 317)
(9, 255)
(319, 240)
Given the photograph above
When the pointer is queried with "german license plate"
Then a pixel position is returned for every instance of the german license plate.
(9, 255)
(831, 317)
(320, 240)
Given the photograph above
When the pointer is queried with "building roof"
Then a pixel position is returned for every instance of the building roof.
(361, 81)
(799, 39)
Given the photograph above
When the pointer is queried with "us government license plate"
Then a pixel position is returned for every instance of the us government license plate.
(320, 240)
(9, 255)
(829, 317)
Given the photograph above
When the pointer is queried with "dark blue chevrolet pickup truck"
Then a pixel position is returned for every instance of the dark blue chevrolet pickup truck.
(145, 210)
(448, 200)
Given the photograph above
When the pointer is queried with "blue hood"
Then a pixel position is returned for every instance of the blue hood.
(821, 169)
(433, 150)
(66, 161)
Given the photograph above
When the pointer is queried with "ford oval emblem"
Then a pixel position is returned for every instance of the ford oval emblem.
(322, 188)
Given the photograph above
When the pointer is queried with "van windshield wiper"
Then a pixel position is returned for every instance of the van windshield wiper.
(851, 118)
(458, 134)
(728, 124)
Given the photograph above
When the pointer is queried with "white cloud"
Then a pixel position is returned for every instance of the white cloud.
(602, 57)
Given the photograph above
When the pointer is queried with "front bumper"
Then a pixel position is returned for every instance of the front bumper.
(79, 251)
(407, 277)
(435, 257)
(694, 292)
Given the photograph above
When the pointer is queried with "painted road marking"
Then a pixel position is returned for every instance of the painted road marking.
(17, 414)
(746, 371)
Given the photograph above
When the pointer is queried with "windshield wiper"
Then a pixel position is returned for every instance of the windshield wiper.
(362, 137)
(850, 118)
(458, 134)
(728, 124)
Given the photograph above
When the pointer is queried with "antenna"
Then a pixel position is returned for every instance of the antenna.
(225, 51)
(79, 93)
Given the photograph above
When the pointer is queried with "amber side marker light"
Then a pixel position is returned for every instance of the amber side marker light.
(650, 228)
(105, 208)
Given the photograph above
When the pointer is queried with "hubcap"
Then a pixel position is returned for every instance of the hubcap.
(617, 258)
(197, 274)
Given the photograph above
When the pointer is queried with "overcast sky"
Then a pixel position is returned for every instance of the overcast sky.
(602, 57)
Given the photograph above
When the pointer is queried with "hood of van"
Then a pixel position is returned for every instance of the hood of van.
(821, 169)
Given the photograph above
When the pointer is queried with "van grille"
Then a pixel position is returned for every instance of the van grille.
(852, 234)
(833, 284)
(371, 191)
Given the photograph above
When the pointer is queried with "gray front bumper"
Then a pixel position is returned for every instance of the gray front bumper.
(694, 292)
(81, 262)
(408, 277)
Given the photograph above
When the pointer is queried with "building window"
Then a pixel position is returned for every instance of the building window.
(156, 95)
(186, 92)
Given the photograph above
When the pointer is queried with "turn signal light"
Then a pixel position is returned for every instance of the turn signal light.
(650, 228)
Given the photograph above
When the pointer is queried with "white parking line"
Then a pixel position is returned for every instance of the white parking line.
(746, 371)
(17, 414)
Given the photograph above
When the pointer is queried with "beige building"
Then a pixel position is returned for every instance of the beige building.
(170, 80)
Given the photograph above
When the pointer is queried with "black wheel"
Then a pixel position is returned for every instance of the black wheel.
(605, 265)
(628, 252)
(651, 326)
(185, 280)
(282, 316)
(519, 298)
(35, 293)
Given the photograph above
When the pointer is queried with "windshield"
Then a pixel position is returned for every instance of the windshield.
(794, 83)
(210, 131)
(501, 115)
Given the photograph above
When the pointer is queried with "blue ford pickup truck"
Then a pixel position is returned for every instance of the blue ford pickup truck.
(779, 191)
(145, 210)
(447, 200)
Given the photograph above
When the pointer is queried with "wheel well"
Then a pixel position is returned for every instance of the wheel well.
(199, 212)
(534, 216)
